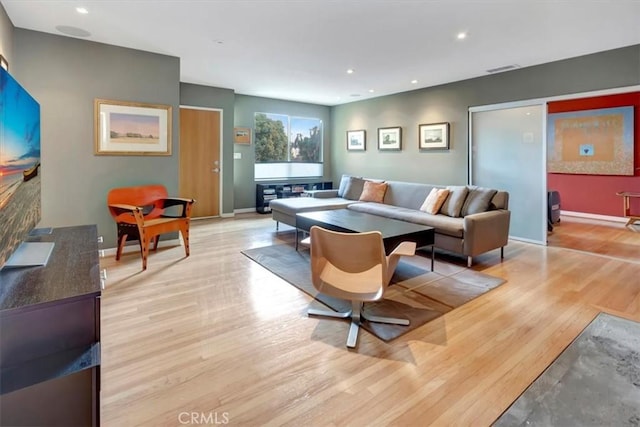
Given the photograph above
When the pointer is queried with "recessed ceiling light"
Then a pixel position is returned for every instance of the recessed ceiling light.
(350, 71)
(82, 10)
(414, 82)
(461, 35)
(371, 91)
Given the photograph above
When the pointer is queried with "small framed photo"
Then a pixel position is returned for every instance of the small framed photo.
(434, 136)
(241, 135)
(132, 128)
(390, 139)
(356, 140)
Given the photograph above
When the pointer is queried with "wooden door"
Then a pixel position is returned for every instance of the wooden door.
(200, 160)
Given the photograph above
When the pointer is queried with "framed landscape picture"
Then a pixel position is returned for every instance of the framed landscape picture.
(132, 128)
(356, 140)
(434, 136)
(242, 135)
(390, 139)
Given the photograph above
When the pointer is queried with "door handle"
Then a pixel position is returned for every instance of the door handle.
(216, 170)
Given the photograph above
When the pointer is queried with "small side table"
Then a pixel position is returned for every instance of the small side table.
(633, 217)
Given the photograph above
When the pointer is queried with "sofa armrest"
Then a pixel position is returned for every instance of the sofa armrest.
(323, 194)
(486, 231)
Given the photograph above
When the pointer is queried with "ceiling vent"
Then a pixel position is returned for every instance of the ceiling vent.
(504, 68)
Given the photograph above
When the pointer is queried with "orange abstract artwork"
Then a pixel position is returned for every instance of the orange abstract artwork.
(594, 142)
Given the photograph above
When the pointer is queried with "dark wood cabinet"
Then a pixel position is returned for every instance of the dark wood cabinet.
(50, 335)
(268, 191)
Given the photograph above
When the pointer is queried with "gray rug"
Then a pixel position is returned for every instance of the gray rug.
(415, 293)
(594, 382)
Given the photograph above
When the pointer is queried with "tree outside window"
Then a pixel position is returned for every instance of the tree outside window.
(280, 138)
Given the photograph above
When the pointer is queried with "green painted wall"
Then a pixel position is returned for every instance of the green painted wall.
(450, 103)
(245, 109)
(65, 75)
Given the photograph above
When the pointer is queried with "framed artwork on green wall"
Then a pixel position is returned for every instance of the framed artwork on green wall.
(434, 136)
(356, 140)
(124, 128)
(390, 139)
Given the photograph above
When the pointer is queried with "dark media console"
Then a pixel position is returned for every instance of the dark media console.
(267, 192)
(50, 335)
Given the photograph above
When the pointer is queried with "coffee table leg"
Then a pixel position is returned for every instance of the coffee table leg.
(432, 255)
(296, 238)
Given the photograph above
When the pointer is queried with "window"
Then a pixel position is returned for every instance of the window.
(287, 147)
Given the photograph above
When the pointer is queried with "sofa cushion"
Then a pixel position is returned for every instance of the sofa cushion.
(353, 188)
(373, 192)
(434, 200)
(477, 200)
(407, 194)
(453, 205)
(293, 205)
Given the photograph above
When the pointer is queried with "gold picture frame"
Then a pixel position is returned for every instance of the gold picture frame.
(124, 128)
(242, 135)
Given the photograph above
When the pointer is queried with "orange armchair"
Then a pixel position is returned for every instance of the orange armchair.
(140, 214)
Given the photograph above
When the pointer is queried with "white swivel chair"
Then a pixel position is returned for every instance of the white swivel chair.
(354, 267)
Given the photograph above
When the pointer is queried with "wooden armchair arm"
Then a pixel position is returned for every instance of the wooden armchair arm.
(121, 207)
(178, 201)
(135, 211)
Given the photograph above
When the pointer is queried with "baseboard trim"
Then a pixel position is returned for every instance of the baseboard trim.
(597, 217)
(136, 248)
(244, 210)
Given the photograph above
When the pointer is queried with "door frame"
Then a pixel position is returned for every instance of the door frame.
(221, 149)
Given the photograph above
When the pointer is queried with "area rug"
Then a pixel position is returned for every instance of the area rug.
(594, 382)
(415, 292)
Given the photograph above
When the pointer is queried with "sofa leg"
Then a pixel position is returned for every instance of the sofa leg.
(502, 252)
(469, 261)
(277, 225)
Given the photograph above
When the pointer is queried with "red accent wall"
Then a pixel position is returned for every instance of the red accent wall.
(596, 194)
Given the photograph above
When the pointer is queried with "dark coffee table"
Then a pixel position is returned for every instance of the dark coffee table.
(393, 231)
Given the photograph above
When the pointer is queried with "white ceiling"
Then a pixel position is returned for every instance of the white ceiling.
(300, 49)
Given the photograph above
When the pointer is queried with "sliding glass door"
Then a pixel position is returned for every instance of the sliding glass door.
(507, 151)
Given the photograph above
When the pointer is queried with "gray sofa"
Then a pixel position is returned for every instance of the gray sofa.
(471, 221)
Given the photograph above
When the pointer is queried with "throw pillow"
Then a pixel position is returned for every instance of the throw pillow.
(434, 200)
(477, 201)
(353, 188)
(373, 192)
(343, 185)
(453, 205)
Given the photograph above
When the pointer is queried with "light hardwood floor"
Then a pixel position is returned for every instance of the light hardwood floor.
(218, 338)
